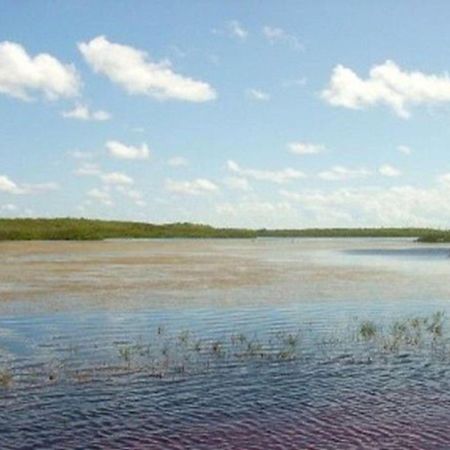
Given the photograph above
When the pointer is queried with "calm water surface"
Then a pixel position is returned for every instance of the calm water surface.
(221, 345)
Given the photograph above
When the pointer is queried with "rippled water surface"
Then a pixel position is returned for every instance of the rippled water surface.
(224, 345)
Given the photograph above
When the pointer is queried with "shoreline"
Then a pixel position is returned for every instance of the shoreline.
(80, 229)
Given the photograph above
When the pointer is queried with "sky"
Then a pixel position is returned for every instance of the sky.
(253, 114)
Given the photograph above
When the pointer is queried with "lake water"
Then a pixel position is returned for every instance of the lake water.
(224, 344)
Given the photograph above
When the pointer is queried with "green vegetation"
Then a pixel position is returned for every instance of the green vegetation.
(85, 229)
(367, 330)
(435, 236)
(167, 355)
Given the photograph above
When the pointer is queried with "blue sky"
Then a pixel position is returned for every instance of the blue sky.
(257, 114)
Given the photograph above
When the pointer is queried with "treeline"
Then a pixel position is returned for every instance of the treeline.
(85, 229)
(435, 236)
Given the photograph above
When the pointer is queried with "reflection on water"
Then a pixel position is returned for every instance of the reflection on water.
(244, 374)
(421, 253)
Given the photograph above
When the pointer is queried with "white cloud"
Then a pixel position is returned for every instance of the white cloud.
(296, 82)
(277, 176)
(404, 149)
(444, 179)
(88, 169)
(39, 188)
(341, 173)
(196, 187)
(256, 94)
(395, 206)
(133, 70)
(82, 112)
(10, 187)
(235, 29)
(133, 194)
(9, 207)
(122, 151)
(101, 195)
(237, 183)
(116, 178)
(387, 84)
(78, 154)
(22, 75)
(177, 161)
(276, 34)
(388, 171)
(305, 148)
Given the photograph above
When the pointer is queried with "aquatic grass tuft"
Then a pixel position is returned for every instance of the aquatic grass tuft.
(368, 330)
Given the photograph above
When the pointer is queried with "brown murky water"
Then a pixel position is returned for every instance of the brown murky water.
(135, 274)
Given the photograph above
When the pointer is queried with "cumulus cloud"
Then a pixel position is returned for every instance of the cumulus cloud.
(278, 35)
(177, 161)
(22, 75)
(82, 112)
(387, 84)
(134, 71)
(305, 148)
(196, 187)
(389, 171)
(256, 94)
(374, 206)
(404, 149)
(276, 176)
(122, 151)
(341, 173)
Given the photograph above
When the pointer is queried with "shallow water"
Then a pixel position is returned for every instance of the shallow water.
(141, 345)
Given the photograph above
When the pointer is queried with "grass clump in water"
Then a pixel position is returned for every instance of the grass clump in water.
(367, 330)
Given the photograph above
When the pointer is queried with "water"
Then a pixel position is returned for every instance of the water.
(221, 345)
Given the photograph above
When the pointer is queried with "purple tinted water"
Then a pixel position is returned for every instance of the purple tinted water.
(332, 398)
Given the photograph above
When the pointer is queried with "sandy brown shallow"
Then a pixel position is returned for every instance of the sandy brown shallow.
(125, 274)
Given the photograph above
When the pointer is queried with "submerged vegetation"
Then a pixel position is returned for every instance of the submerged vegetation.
(168, 355)
(85, 229)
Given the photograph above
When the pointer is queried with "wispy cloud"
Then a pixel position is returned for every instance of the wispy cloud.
(341, 173)
(404, 149)
(389, 171)
(305, 148)
(237, 183)
(195, 187)
(277, 35)
(9, 186)
(258, 95)
(235, 29)
(177, 161)
(82, 112)
(274, 176)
